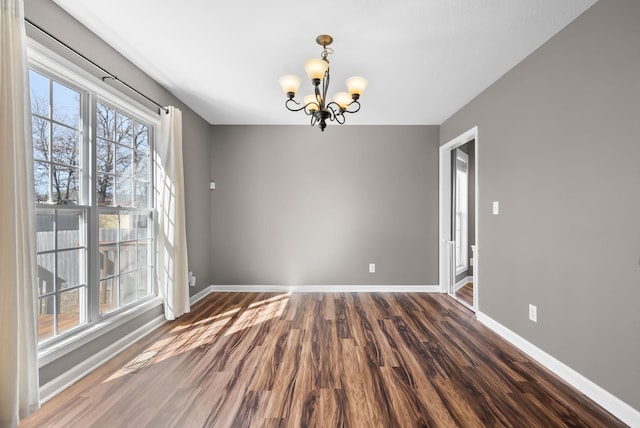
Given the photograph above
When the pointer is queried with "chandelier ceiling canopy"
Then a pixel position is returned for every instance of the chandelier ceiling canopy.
(316, 105)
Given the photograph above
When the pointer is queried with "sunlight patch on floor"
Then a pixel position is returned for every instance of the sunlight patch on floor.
(188, 336)
(259, 312)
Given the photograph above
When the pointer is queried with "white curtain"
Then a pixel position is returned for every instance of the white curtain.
(172, 265)
(18, 338)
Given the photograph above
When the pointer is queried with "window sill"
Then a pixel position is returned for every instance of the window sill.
(54, 351)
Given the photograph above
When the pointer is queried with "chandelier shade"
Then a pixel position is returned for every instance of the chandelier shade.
(317, 104)
(311, 102)
(290, 83)
(315, 68)
(356, 85)
(343, 99)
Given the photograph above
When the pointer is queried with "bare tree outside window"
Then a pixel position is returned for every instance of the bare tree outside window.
(56, 141)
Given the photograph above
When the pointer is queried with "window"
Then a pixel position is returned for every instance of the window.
(124, 217)
(462, 211)
(92, 155)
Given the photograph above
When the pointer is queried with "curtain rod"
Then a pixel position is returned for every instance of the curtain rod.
(108, 74)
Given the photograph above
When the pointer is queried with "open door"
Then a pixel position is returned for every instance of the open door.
(458, 225)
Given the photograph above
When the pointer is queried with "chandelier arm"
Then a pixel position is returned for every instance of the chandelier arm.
(286, 104)
(356, 103)
(319, 98)
(308, 111)
(335, 108)
(336, 112)
(325, 85)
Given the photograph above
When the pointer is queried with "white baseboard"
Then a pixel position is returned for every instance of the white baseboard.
(327, 288)
(57, 385)
(201, 295)
(464, 281)
(604, 398)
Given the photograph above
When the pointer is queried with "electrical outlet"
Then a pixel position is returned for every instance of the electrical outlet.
(533, 313)
(192, 280)
(372, 268)
(496, 207)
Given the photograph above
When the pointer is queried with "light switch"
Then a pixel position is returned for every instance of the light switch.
(372, 268)
(496, 207)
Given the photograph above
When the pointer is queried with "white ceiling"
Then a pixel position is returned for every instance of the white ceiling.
(424, 59)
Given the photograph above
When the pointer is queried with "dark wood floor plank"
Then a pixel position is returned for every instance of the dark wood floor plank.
(281, 398)
(322, 360)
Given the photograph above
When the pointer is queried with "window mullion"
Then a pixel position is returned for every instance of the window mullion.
(93, 265)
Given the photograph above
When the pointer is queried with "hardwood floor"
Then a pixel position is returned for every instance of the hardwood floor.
(465, 293)
(323, 360)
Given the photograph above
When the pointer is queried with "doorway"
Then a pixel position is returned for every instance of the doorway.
(458, 251)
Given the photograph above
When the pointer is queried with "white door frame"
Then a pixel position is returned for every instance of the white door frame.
(445, 211)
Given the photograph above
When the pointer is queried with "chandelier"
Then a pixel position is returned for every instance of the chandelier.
(316, 105)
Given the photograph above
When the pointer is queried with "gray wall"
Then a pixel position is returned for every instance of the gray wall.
(558, 146)
(295, 206)
(196, 150)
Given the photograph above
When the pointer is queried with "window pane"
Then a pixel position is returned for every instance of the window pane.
(39, 87)
(141, 137)
(40, 136)
(144, 286)
(127, 226)
(68, 229)
(108, 228)
(70, 269)
(124, 129)
(104, 155)
(66, 105)
(128, 288)
(127, 257)
(108, 260)
(46, 273)
(66, 146)
(107, 295)
(123, 192)
(142, 226)
(45, 236)
(123, 160)
(143, 253)
(65, 184)
(141, 165)
(104, 189)
(142, 195)
(41, 181)
(105, 121)
(69, 309)
(46, 312)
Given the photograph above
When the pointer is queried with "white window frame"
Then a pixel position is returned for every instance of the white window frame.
(93, 90)
(461, 227)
